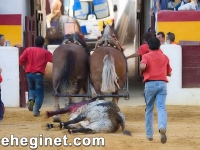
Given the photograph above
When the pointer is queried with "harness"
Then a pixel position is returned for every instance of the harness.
(108, 40)
(75, 38)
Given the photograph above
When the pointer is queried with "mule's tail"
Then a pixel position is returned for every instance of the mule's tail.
(109, 76)
(122, 124)
(66, 72)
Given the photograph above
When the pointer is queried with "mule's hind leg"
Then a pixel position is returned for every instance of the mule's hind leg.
(56, 118)
(97, 87)
(115, 99)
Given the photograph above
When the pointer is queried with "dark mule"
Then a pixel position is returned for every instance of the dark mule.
(70, 70)
(108, 64)
(90, 116)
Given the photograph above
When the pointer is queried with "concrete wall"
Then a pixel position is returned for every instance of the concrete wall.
(9, 62)
(184, 24)
(176, 94)
(16, 7)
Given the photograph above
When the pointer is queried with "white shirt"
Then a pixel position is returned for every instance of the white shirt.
(188, 6)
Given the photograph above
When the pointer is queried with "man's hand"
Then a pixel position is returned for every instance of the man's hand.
(142, 66)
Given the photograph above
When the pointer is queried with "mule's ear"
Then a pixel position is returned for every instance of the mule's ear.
(104, 25)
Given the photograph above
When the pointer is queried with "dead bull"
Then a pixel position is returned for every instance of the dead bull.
(90, 116)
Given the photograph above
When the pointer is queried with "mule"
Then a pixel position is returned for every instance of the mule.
(108, 65)
(91, 116)
(70, 70)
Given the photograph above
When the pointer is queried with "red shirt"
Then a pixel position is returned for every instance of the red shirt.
(157, 66)
(143, 49)
(35, 59)
(1, 78)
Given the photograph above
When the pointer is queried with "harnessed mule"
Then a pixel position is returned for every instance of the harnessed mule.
(70, 70)
(108, 65)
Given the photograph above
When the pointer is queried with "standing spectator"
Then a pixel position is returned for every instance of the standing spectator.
(193, 5)
(159, 5)
(155, 67)
(35, 59)
(144, 48)
(170, 38)
(2, 109)
(182, 2)
(161, 37)
(2, 40)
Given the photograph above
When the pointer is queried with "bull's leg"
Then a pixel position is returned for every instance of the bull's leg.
(81, 130)
(115, 99)
(79, 118)
(56, 118)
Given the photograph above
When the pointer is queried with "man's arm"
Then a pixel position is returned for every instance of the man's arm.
(49, 57)
(142, 66)
(23, 58)
(136, 54)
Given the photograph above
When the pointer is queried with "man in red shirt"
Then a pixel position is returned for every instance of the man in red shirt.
(155, 68)
(35, 59)
(144, 48)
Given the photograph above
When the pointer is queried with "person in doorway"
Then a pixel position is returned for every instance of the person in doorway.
(35, 59)
(55, 11)
(144, 48)
(2, 109)
(161, 37)
(155, 67)
(170, 38)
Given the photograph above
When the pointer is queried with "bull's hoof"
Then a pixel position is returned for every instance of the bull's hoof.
(57, 126)
(47, 126)
(56, 118)
(70, 131)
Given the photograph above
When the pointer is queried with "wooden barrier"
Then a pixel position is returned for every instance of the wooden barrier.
(23, 82)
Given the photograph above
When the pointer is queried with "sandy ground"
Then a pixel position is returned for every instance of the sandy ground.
(183, 130)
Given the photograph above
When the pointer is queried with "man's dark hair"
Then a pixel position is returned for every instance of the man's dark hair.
(161, 33)
(154, 43)
(1, 35)
(39, 41)
(147, 36)
(171, 36)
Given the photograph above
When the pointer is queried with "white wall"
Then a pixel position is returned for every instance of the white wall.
(9, 62)
(176, 94)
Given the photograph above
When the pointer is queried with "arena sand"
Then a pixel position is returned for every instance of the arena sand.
(183, 130)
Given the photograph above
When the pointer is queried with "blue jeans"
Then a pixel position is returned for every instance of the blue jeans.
(36, 90)
(1, 108)
(155, 91)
